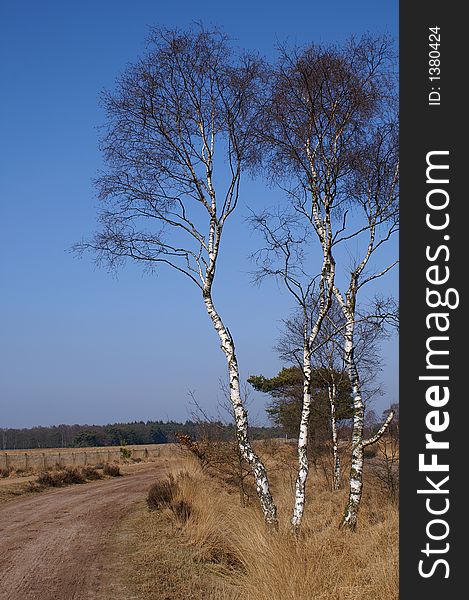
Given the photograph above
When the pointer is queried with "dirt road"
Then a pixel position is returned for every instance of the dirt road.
(59, 544)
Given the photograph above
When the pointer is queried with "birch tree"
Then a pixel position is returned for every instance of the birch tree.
(177, 140)
(282, 257)
(330, 140)
(375, 194)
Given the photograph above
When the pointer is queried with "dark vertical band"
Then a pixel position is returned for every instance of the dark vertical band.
(434, 329)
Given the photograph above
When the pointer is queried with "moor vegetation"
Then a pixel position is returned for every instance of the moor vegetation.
(210, 546)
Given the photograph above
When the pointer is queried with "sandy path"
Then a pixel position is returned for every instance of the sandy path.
(58, 544)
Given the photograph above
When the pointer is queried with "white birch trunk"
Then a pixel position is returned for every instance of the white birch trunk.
(327, 278)
(303, 466)
(335, 444)
(240, 415)
(358, 443)
(356, 470)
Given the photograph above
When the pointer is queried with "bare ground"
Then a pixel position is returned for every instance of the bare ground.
(62, 544)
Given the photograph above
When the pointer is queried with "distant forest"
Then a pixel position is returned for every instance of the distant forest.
(116, 434)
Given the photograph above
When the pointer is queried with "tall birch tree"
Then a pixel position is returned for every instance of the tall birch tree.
(330, 131)
(177, 140)
(375, 194)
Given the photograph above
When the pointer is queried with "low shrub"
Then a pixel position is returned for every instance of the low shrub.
(5, 472)
(126, 453)
(370, 451)
(91, 473)
(60, 478)
(161, 494)
(49, 479)
(167, 494)
(112, 470)
(73, 475)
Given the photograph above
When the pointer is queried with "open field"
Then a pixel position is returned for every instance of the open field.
(43, 458)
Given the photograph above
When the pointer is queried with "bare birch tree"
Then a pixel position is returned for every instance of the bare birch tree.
(375, 193)
(177, 140)
(329, 137)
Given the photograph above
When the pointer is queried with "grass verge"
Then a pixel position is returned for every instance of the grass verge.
(162, 565)
(218, 549)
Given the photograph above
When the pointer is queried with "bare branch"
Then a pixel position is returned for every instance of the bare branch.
(380, 432)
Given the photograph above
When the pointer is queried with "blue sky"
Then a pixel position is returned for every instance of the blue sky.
(78, 344)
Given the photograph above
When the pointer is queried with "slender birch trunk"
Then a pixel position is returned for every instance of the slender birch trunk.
(240, 415)
(326, 289)
(335, 446)
(358, 443)
(356, 470)
(303, 466)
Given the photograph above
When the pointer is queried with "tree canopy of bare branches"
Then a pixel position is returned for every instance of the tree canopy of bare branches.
(177, 139)
(330, 141)
(183, 125)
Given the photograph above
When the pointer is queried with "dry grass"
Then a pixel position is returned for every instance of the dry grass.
(11, 490)
(40, 459)
(227, 548)
(162, 566)
(112, 470)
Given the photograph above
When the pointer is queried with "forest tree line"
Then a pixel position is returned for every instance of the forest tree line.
(116, 434)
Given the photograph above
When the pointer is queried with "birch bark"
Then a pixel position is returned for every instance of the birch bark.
(350, 516)
(356, 469)
(303, 466)
(241, 421)
(326, 289)
(335, 447)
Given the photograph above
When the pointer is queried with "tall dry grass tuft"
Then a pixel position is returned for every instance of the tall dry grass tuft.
(322, 563)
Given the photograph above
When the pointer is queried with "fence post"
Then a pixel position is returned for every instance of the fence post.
(44, 463)
(86, 459)
(25, 461)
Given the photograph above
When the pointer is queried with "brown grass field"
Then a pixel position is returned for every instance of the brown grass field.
(20, 477)
(37, 459)
(204, 545)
